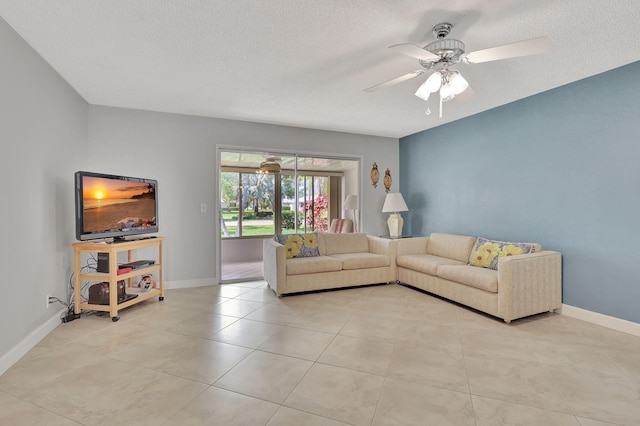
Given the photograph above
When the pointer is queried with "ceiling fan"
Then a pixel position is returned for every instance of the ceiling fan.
(271, 166)
(444, 53)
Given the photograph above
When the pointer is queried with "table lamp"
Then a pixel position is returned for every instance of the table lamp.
(393, 204)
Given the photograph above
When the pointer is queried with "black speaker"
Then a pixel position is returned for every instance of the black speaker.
(99, 293)
(103, 262)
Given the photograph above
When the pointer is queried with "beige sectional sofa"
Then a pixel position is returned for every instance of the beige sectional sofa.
(522, 285)
(344, 260)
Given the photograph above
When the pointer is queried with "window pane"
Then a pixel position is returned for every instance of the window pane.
(247, 204)
(229, 203)
(316, 202)
(258, 204)
(288, 214)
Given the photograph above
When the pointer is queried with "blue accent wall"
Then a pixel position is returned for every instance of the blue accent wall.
(561, 168)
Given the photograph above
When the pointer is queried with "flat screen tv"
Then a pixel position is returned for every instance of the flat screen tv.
(110, 206)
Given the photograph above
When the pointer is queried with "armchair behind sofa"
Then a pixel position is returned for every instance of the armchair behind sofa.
(341, 226)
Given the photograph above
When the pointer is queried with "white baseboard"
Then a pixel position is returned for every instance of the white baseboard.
(600, 319)
(173, 285)
(29, 342)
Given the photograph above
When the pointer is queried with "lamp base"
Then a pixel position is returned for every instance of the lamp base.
(395, 223)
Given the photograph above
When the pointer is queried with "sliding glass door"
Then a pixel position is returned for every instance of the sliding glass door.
(304, 196)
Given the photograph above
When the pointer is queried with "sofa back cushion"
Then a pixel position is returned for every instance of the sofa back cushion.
(346, 243)
(414, 245)
(457, 247)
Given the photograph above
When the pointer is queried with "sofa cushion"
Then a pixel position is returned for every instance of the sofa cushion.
(482, 278)
(425, 263)
(362, 260)
(300, 245)
(486, 252)
(456, 247)
(312, 265)
(346, 243)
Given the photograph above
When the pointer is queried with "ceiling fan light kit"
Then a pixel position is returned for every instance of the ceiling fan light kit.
(443, 53)
(270, 167)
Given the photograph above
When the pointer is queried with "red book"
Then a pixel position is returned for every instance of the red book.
(124, 270)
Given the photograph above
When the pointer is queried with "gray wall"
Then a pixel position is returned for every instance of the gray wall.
(43, 133)
(560, 168)
(180, 151)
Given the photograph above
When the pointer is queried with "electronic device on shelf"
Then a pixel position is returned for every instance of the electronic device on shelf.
(99, 293)
(137, 264)
(112, 206)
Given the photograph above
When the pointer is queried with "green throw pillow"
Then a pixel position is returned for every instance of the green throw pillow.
(486, 252)
(300, 245)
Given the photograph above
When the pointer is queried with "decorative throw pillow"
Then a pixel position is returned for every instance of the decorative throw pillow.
(486, 252)
(300, 245)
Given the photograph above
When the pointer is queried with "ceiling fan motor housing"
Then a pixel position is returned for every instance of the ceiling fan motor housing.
(448, 50)
(441, 30)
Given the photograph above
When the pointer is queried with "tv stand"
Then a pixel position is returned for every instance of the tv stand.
(117, 240)
(112, 276)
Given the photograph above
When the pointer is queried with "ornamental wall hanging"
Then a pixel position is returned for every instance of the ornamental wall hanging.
(387, 180)
(375, 175)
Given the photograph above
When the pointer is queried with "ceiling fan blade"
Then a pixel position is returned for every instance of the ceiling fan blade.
(533, 46)
(396, 80)
(414, 51)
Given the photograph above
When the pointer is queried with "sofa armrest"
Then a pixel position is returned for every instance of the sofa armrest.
(274, 258)
(529, 284)
(381, 246)
(387, 247)
(416, 245)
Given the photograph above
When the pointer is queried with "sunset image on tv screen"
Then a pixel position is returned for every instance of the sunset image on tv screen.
(111, 204)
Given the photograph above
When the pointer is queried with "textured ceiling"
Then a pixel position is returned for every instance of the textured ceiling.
(305, 63)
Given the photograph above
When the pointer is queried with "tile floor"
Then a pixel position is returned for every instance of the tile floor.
(382, 355)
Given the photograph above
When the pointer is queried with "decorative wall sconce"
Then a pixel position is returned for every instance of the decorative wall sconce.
(375, 175)
(387, 180)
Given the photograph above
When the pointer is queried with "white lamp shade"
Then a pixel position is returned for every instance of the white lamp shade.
(423, 94)
(430, 86)
(351, 202)
(458, 83)
(433, 82)
(394, 203)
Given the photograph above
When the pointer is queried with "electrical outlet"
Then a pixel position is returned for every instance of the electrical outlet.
(48, 300)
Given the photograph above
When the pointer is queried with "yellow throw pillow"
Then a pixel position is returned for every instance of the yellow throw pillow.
(486, 252)
(300, 245)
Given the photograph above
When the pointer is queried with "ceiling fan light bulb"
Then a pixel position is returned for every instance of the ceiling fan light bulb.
(458, 83)
(446, 92)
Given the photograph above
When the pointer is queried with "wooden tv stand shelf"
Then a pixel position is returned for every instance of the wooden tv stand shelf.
(112, 276)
